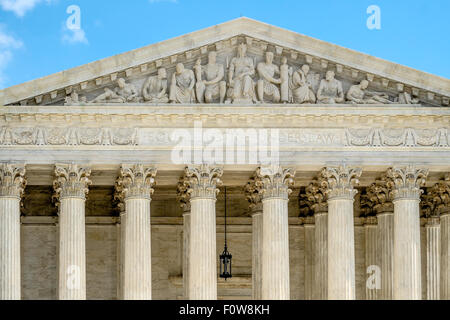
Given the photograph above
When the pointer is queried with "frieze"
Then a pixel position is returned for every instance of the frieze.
(314, 137)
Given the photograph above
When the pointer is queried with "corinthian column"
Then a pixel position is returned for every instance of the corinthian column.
(137, 182)
(184, 197)
(203, 182)
(407, 265)
(275, 258)
(380, 193)
(436, 204)
(341, 237)
(316, 200)
(254, 197)
(12, 185)
(71, 187)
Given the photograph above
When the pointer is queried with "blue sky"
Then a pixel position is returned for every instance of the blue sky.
(34, 41)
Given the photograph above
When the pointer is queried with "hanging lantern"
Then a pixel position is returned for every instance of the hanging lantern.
(225, 257)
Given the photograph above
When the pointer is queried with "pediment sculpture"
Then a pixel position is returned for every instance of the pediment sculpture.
(241, 80)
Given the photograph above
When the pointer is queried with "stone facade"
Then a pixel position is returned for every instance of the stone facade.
(105, 195)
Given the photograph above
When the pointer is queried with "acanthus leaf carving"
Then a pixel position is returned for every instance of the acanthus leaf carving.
(71, 181)
(136, 181)
(407, 181)
(12, 180)
(183, 194)
(276, 181)
(203, 181)
(436, 201)
(253, 193)
(341, 180)
(380, 196)
(315, 199)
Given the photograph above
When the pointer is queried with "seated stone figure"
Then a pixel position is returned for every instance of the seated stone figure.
(210, 80)
(182, 86)
(241, 85)
(124, 92)
(358, 94)
(155, 88)
(302, 86)
(267, 86)
(330, 90)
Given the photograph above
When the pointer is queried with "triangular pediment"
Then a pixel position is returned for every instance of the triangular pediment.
(136, 67)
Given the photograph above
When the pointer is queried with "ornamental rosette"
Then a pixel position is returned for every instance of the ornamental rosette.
(380, 195)
(72, 181)
(136, 181)
(437, 200)
(203, 181)
(341, 180)
(12, 180)
(315, 199)
(253, 193)
(276, 181)
(407, 182)
(183, 195)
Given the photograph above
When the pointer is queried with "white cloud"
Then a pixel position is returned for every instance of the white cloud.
(20, 7)
(74, 36)
(7, 44)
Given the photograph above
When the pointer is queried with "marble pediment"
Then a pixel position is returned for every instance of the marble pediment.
(181, 71)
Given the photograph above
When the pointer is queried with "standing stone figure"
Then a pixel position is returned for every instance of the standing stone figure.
(242, 68)
(302, 91)
(124, 92)
(182, 86)
(284, 77)
(155, 88)
(212, 86)
(358, 94)
(330, 90)
(267, 85)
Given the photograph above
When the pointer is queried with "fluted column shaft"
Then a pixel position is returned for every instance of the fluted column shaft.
(137, 283)
(275, 246)
(186, 245)
(309, 259)
(12, 185)
(10, 248)
(341, 249)
(72, 249)
(407, 263)
(370, 229)
(321, 256)
(71, 187)
(135, 185)
(257, 241)
(203, 181)
(341, 231)
(445, 257)
(407, 258)
(275, 258)
(385, 253)
(433, 258)
(202, 251)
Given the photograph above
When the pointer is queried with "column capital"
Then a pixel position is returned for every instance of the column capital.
(253, 194)
(203, 181)
(407, 181)
(136, 181)
(380, 195)
(436, 201)
(341, 180)
(119, 196)
(276, 181)
(183, 195)
(72, 181)
(12, 180)
(314, 200)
